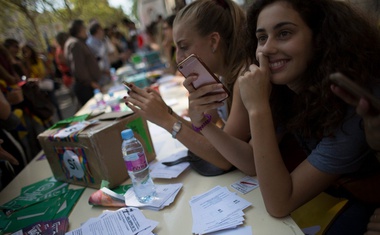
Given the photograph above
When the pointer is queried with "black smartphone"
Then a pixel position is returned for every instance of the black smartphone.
(354, 89)
(194, 65)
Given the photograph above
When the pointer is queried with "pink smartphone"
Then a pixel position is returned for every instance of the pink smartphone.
(194, 65)
(354, 89)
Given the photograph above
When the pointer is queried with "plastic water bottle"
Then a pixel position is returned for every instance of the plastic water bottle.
(113, 102)
(137, 166)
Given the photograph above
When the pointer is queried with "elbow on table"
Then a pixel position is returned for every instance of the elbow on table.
(225, 166)
(278, 211)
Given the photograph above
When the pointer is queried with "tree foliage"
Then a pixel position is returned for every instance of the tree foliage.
(40, 20)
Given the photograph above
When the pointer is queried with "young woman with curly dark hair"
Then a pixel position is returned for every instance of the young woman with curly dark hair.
(293, 46)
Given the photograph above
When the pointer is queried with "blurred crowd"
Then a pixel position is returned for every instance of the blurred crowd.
(81, 60)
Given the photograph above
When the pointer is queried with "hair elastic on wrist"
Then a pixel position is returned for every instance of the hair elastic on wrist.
(208, 120)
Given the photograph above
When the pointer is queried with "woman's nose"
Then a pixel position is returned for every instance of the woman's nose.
(269, 48)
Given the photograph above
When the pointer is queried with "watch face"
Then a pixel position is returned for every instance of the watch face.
(177, 126)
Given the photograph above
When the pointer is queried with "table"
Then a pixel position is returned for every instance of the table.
(176, 218)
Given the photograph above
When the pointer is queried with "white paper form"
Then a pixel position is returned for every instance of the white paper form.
(246, 184)
(217, 209)
(159, 170)
(125, 221)
(162, 144)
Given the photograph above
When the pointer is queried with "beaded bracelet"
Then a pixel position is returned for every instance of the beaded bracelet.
(208, 120)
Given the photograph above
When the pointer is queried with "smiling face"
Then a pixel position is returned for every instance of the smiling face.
(285, 39)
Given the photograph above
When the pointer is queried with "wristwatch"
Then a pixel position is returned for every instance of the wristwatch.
(176, 128)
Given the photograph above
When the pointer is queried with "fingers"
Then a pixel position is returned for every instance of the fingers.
(152, 91)
(134, 101)
(345, 96)
(132, 107)
(188, 83)
(137, 90)
(363, 108)
(263, 62)
(4, 155)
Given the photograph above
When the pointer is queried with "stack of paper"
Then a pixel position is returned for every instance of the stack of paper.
(216, 210)
(165, 195)
(159, 170)
(125, 221)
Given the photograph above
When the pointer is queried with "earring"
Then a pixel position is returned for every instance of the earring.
(213, 50)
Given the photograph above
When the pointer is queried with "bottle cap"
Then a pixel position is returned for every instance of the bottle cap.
(127, 134)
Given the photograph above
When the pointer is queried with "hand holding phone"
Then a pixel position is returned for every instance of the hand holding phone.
(194, 65)
(354, 89)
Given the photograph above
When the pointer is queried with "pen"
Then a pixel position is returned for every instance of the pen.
(249, 183)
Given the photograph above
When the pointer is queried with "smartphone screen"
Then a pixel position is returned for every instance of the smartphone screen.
(194, 65)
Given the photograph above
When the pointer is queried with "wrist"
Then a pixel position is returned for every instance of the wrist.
(207, 118)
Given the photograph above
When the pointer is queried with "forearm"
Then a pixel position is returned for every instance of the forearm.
(238, 152)
(275, 180)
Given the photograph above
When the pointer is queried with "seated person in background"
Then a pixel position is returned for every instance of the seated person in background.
(14, 49)
(168, 45)
(11, 161)
(293, 48)
(119, 52)
(213, 31)
(7, 73)
(35, 67)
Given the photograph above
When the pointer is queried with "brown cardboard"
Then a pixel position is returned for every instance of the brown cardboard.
(97, 150)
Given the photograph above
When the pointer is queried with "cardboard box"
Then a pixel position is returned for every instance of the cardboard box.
(94, 154)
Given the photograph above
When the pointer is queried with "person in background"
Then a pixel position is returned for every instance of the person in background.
(131, 35)
(97, 44)
(35, 67)
(371, 119)
(121, 53)
(82, 63)
(11, 152)
(7, 73)
(213, 30)
(14, 49)
(62, 66)
(168, 46)
(293, 47)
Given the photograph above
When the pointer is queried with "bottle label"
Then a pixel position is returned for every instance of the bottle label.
(139, 163)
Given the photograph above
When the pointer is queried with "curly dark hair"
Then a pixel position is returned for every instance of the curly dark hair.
(344, 40)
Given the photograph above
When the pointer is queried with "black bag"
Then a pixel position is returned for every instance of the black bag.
(37, 101)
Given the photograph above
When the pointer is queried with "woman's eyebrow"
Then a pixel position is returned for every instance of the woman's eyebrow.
(277, 26)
